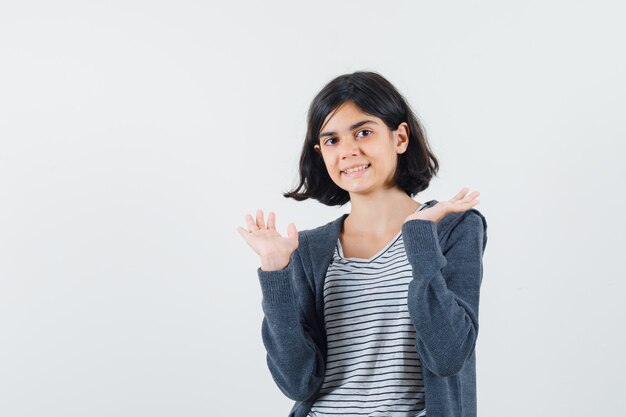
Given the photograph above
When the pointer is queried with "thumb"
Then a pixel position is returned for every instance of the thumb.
(292, 232)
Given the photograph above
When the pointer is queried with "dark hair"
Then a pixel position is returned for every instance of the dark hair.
(374, 95)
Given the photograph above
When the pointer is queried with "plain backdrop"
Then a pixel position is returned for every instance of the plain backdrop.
(135, 136)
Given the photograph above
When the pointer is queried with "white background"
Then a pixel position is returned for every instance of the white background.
(135, 136)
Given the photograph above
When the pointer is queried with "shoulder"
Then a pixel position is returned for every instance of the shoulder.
(469, 218)
(316, 246)
(470, 225)
(324, 232)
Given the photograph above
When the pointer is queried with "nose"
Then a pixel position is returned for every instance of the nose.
(349, 147)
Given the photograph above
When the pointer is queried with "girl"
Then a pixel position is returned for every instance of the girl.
(376, 312)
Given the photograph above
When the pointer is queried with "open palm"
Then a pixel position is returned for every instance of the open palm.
(459, 203)
(274, 249)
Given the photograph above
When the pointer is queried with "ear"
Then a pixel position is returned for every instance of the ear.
(402, 137)
(317, 149)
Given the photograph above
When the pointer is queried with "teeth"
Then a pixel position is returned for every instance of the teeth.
(362, 167)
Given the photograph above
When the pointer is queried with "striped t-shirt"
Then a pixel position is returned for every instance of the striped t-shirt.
(372, 367)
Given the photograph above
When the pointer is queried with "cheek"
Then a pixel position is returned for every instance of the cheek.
(328, 162)
(329, 168)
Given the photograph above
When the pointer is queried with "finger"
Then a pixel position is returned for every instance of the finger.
(260, 221)
(470, 202)
(460, 194)
(471, 196)
(251, 224)
(292, 232)
(243, 232)
(271, 220)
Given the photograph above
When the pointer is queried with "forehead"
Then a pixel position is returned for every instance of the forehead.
(344, 115)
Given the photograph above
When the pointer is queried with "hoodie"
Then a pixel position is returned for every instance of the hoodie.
(442, 299)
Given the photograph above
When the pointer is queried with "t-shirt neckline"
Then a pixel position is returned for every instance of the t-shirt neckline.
(380, 252)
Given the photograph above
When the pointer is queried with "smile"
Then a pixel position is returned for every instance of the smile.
(352, 172)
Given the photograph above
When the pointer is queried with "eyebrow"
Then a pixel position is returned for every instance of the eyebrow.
(354, 126)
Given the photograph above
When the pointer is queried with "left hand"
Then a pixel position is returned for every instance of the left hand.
(459, 203)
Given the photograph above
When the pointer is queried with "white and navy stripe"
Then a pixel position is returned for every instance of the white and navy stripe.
(372, 367)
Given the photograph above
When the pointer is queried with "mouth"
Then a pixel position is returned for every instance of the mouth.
(352, 172)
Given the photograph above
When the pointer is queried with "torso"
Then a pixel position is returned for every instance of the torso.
(369, 333)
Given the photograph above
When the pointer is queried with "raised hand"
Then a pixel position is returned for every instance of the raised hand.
(274, 249)
(460, 202)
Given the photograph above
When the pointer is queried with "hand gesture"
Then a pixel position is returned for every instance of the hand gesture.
(459, 203)
(274, 250)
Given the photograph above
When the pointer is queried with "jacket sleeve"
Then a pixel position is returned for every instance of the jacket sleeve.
(444, 293)
(294, 358)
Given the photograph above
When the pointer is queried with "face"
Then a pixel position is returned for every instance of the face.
(350, 138)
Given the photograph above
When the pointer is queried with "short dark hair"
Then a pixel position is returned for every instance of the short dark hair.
(374, 95)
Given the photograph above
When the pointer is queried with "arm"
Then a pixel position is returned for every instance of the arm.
(444, 293)
(294, 359)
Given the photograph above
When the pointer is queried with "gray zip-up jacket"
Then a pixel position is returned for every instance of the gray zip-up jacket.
(443, 297)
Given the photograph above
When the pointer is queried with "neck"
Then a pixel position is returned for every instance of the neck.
(380, 213)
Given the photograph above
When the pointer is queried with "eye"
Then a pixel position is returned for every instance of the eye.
(328, 140)
(366, 130)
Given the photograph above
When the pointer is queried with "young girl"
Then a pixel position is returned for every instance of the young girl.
(376, 312)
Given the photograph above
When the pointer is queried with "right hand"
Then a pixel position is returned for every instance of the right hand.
(274, 250)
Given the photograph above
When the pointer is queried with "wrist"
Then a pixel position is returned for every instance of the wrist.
(274, 263)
